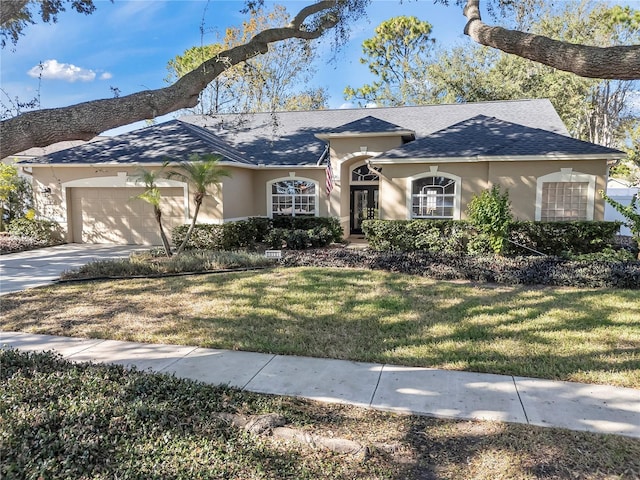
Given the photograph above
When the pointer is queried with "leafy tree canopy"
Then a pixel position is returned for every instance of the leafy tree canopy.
(86, 120)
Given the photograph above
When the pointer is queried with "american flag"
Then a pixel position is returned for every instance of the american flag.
(329, 173)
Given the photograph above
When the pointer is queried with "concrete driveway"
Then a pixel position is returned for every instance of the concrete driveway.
(19, 271)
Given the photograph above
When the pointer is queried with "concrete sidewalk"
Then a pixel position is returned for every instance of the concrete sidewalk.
(422, 391)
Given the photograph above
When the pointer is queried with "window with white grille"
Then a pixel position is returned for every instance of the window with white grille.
(433, 197)
(564, 201)
(293, 197)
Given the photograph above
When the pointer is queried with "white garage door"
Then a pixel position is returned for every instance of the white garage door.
(114, 215)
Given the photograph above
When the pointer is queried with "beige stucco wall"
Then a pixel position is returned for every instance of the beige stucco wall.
(244, 194)
(394, 186)
(521, 179)
(235, 199)
(263, 175)
(344, 147)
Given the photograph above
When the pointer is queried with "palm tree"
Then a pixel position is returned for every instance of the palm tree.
(201, 173)
(152, 196)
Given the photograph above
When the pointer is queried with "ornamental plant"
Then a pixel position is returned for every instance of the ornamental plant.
(630, 212)
(490, 212)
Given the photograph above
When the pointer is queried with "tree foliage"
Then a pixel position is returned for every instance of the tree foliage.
(16, 195)
(268, 82)
(86, 120)
(153, 197)
(202, 173)
(600, 111)
(397, 55)
(490, 212)
(16, 15)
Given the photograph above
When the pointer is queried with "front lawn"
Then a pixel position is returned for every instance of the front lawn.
(585, 335)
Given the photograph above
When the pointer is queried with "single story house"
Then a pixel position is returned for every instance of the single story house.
(414, 162)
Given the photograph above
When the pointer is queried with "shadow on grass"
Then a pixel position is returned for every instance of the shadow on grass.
(372, 316)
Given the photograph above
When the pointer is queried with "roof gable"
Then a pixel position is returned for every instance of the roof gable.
(173, 140)
(490, 137)
(366, 125)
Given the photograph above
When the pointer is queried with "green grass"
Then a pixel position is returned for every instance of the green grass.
(61, 420)
(587, 335)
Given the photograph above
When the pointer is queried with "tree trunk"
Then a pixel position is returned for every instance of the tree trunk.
(620, 62)
(86, 120)
(163, 236)
(191, 227)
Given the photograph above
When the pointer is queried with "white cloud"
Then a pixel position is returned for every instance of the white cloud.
(54, 70)
(106, 76)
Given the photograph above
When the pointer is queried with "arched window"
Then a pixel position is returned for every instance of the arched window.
(292, 196)
(364, 174)
(435, 196)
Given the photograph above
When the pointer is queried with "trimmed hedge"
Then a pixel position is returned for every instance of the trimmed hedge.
(289, 232)
(561, 238)
(459, 236)
(551, 271)
(425, 235)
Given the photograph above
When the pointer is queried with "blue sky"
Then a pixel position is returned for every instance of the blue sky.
(127, 44)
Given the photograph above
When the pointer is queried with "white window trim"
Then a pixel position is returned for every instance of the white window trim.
(433, 172)
(567, 175)
(289, 178)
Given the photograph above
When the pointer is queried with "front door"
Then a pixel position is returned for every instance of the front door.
(364, 206)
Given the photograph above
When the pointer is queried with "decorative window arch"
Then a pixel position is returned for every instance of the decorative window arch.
(362, 174)
(292, 196)
(565, 195)
(434, 195)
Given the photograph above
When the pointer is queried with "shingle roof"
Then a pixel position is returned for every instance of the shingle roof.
(366, 125)
(171, 140)
(491, 137)
(289, 138)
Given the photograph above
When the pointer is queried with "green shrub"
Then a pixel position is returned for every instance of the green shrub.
(563, 238)
(240, 234)
(310, 223)
(490, 213)
(480, 268)
(411, 235)
(261, 226)
(275, 238)
(566, 239)
(297, 232)
(204, 236)
(43, 231)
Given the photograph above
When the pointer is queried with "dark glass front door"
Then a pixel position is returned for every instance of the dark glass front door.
(364, 206)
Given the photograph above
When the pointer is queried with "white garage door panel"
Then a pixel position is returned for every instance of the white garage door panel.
(114, 215)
